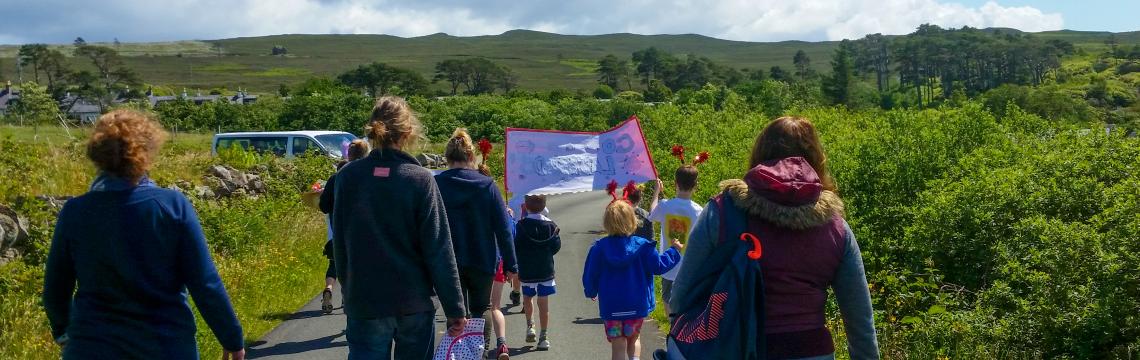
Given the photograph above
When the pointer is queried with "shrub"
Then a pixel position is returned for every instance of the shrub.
(603, 91)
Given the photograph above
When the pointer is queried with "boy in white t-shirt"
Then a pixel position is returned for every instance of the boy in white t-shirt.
(677, 217)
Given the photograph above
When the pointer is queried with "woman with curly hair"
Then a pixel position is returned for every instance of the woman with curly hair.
(134, 249)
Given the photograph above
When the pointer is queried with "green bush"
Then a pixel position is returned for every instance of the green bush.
(604, 91)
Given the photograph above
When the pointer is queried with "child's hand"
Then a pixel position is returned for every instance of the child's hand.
(594, 298)
(657, 188)
(677, 245)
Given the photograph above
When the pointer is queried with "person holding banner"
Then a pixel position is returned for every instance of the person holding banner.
(480, 231)
(392, 244)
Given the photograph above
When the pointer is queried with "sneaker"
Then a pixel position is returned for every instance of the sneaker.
(503, 352)
(516, 298)
(531, 336)
(326, 301)
(544, 344)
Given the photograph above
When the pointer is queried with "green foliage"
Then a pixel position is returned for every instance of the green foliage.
(658, 92)
(383, 79)
(604, 92)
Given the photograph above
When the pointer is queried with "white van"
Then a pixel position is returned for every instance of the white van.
(286, 143)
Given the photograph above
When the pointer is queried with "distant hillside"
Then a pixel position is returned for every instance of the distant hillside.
(542, 60)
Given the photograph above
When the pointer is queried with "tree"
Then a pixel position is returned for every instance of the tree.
(56, 71)
(651, 63)
(779, 74)
(483, 75)
(36, 106)
(79, 42)
(32, 55)
(837, 86)
(803, 65)
(507, 79)
(382, 79)
(455, 72)
(111, 71)
(611, 71)
(873, 55)
(658, 92)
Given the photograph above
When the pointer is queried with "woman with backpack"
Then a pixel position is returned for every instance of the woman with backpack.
(791, 221)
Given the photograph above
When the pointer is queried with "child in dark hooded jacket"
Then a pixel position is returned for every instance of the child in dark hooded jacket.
(536, 242)
(619, 275)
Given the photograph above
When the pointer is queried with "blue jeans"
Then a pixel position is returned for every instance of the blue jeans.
(372, 339)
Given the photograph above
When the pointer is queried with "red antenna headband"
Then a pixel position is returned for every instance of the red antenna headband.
(678, 152)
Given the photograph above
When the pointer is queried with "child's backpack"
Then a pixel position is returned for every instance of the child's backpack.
(722, 316)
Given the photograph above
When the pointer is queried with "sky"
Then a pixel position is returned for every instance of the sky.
(61, 21)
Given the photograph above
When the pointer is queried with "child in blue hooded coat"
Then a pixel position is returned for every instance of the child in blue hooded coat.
(619, 275)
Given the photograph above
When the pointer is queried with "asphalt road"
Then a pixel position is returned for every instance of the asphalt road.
(575, 329)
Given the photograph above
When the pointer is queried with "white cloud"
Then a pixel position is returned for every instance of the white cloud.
(754, 20)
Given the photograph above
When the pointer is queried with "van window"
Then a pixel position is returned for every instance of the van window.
(302, 146)
(270, 145)
(336, 144)
(226, 143)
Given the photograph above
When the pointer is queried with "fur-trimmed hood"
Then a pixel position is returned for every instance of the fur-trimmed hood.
(786, 192)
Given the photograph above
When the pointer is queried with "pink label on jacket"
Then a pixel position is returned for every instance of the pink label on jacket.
(381, 171)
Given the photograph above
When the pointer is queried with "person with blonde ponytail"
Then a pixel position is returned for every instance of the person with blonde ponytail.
(392, 244)
(480, 231)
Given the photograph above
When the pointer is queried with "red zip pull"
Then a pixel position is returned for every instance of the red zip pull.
(757, 251)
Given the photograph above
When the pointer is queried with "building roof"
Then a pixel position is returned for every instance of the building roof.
(7, 96)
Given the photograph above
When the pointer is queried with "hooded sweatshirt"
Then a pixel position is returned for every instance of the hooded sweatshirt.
(808, 248)
(619, 272)
(536, 241)
(477, 216)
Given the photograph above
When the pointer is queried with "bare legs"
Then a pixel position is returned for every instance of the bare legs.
(543, 310)
(625, 348)
(496, 312)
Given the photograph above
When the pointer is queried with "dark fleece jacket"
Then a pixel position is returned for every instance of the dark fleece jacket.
(478, 220)
(391, 241)
(536, 241)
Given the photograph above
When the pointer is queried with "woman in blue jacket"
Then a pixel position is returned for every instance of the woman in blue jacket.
(134, 249)
(480, 229)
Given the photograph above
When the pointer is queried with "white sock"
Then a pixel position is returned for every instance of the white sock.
(635, 358)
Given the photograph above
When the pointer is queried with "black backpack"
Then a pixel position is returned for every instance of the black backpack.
(722, 314)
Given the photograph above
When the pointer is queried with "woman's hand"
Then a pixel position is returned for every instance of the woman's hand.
(455, 326)
(677, 245)
(233, 355)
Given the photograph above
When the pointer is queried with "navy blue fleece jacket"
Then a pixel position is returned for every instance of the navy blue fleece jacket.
(478, 219)
(134, 252)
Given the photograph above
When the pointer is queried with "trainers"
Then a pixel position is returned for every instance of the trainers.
(544, 344)
(326, 301)
(503, 352)
(516, 298)
(531, 336)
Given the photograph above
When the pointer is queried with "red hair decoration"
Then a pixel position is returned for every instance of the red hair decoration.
(611, 188)
(679, 153)
(701, 158)
(630, 188)
(485, 148)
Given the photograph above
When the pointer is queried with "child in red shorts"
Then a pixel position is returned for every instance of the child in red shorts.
(619, 275)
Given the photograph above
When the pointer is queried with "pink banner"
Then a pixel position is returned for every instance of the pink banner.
(546, 162)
